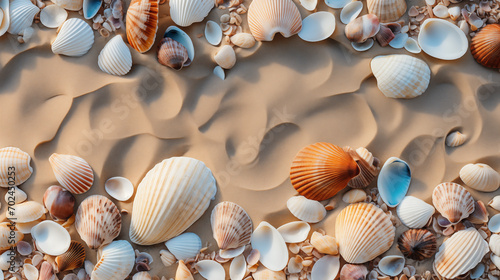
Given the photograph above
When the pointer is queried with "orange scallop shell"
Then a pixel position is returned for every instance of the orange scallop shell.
(321, 170)
(485, 46)
(73, 258)
(142, 24)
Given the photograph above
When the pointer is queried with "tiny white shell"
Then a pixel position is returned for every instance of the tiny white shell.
(306, 210)
(392, 265)
(455, 139)
(53, 16)
(119, 188)
(184, 246)
(440, 11)
(271, 245)
(326, 268)
(213, 33)
(294, 232)
(51, 238)
(362, 47)
(238, 268)
(317, 27)
(412, 46)
(15, 194)
(210, 270)
(351, 11)
(219, 72)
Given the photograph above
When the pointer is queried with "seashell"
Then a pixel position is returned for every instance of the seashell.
(184, 246)
(306, 210)
(363, 239)
(225, 57)
(394, 180)
(494, 224)
(75, 38)
(70, 5)
(337, 4)
(480, 214)
(495, 260)
(4, 16)
(351, 11)
(387, 10)
(186, 12)
(495, 203)
(231, 253)
(294, 232)
(384, 35)
(15, 195)
(353, 272)
(455, 139)
(399, 40)
(46, 271)
(271, 245)
(219, 72)
(14, 157)
(412, 46)
(30, 272)
(362, 47)
(325, 244)
(243, 40)
(453, 201)
(25, 228)
(73, 258)
(326, 268)
(173, 54)
(28, 211)
(452, 47)
(477, 271)
(120, 188)
(392, 265)
(401, 76)
(321, 170)
(231, 225)
(115, 59)
(485, 46)
(59, 202)
(480, 177)
(213, 33)
(91, 7)
(53, 16)
(354, 196)
(309, 5)
(317, 27)
(51, 238)
(159, 216)
(167, 258)
(417, 244)
(460, 253)
(183, 273)
(98, 221)
(268, 17)
(495, 244)
(116, 261)
(182, 37)
(21, 13)
(369, 167)
(238, 268)
(440, 11)
(210, 269)
(8, 235)
(454, 12)
(24, 248)
(142, 24)
(142, 276)
(263, 273)
(362, 28)
(72, 172)
(414, 212)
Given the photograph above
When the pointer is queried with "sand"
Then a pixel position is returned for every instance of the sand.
(280, 97)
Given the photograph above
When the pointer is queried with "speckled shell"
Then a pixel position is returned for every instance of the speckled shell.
(387, 10)
(142, 24)
(231, 225)
(186, 12)
(75, 38)
(14, 157)
(417, 244)
(485, 46)
(72, 172)
(268, 17)
(116, 261)
(453, 201)
(480, 177)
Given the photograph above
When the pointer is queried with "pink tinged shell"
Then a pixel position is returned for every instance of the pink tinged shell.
(231, 225)
(14, 157)
(387, 10)
(362, 28)
(268, 17)
(453, 201)
(173, 54)
(72, 172)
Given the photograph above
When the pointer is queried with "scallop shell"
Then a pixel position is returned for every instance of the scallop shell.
(210, 269)
(71, 5)
(184, 246)
(353, 272)
(306, 210)
(22, 14)
(59, 202)
(46, 271)
(369, 167)
(53, 16)
(480, 177)
(391, 265)
(451, 47)
(186, 12)
(351, 11)
(51, 238)
(394, 181)
(387, 10)
(166, 203)
(231, 225)
(495, 244)
(5, 232)
(326, 268)
(263, 273)
(271, 245)
(455, 139)
(98, 221)
(75, 38)
(485, 46)
(453, 201)
(325, 244)
(183, 272)
(317, 27)
(25, 212)
(173, 54)
(417, 244)
(225, 57)
(91, 7)
(414, 212)
(72, 172)
(294, 232)
(73, 258)
(14, 157)
(362, 28)
(142, 276)
(175, 33)
(142, 24)
(401, 76)
(213, 33)
(364, 232)
(238, 268)
(460, 253)
(4, 16)
(115, 58)
(243, 40)
(321, 170)
(268, 17)
(116, 261)
(167, 258)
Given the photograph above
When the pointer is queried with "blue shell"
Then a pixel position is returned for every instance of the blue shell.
(394, 181)
(91, 7)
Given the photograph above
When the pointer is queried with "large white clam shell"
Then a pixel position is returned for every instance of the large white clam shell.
(326, 268)
(51, 238)
(480, 177)
(22, 13)
(53, 16)
(393, 181)
(75, 38)
(4, 16)
(187, 12)
(115, 58)
(392, 265)
(306, 210)
(271, 245)
(170, 198)
(25, 212)
(460, 253)
(210, 270)
(213, 33)
(453, 201)
(116, 261)
(268, 17)
(184, 246)
(452, 45)
(294, 232)
(414, 212)
(120, 188)
(317, 27)
(14, 161)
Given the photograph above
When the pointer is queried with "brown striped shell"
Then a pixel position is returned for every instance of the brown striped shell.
(73, 258)
(417, 244)
(142, 24)
(72, 172)
(231, 225)
(485, 46)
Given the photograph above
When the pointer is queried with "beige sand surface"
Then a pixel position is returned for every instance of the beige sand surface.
(280, 96)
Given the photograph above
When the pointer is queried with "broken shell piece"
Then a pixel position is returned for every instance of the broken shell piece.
(317, 27)
(294, 232)
(268, 17)
(213, 33)
(30, 272)
(14, 157)
(243, 40)
(309, 5)
(353, 196)
(392, 265)
(480, 177)
(453, 201)
(271, 245)
(210, 269)
(91, 7)
(51, 238)
(369, 166)
(454, 12)
(325, 244)
(306, 210)
(455, 139)
(412, 46)
(361, 47)
(183, 272)
(399, 40)
(430, 39)
(225, 57)
(480, 214)
(119, 188)
(384, 36)
(326, 268)
(184, 246)
(351, 11)
(53, 16)
(441, 11)
(219, 72)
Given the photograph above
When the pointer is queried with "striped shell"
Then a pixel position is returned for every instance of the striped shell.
(480, 177)
(387, 10)
(22, 14)
(268, 17)
(453, 201)
(183, 272)
(321, 170)
(72, 172)
(231, 225)
(142, 24)
(417, 244)
(455, 139)
(186, 12)
(369, 167)
(184, 246)
(173, 54)
(115, 58)
(14, 157)
(485, 46)
(75, 38)
(116, 261)
(7, 236)
(414, 212)
(363, 232)
(73, 258)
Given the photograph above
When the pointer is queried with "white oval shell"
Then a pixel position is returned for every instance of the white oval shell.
(399, 40)
(51, 238)
(115, 58)
(210, 270)
(116, 261)
(75, 38)
(494, 224)
(306, 210)
(213, 33)
(186, 12)
(238, 268)
(412, 46)
(452, 46)
(53, 16)
(22, 13)
(317, 27)
(326, 268)
(14, 157)
(414, 212)
(294, 232)
(309, 5)
(495, 244)
(392, 265)
(480, 177)
(184, 246)
(120, 188)
(351, 11)
(25, 212)
(271, 245)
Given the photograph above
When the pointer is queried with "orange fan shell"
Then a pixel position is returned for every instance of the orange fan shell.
(485, 46)
(142, 24)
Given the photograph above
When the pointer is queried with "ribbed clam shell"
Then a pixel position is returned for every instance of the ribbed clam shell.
(187, 12)
(184, 246)
(414, 212)
(25, 212)
(263, 273)
(75, 38)
(5, 233)
(480, 177)
(369, 167)
(172, 54)
(167, 258)
(170, 198)
(455, 139)
(116, 261)
(98, 221)
(115, 58)
(142, 276)
(142, 24)
(364, 232)
(417, 244)
(306, 210)
(231, 225)
(72, 172)
(268, 17)
(387, 10)
(485, 46)
(321, 170)
(453, 201)
(460, 253)
(362, 28)
(71, 5)
(401, 76)
(14, 157)
(271, 245)
(183, 272)
(325, 244)
(353, 272)
(73, 258)
(22, 13)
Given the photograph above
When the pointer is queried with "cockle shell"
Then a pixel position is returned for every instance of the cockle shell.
(142, 24)
(210, 269)
(173, 54)
(268, 17)
(495, 244)
(243, 40)
(115, 58)
(116, 261)
(183, 272)
(225, 57)
(263, 273)
(325, 244)
(167, 203)
(326, 268)
(73, 258)
(22, 13)
(75, 38)
(485, 46)
(98, 221)
(51, 238)
(354, 196)
(317, 27)
(460, 253)
(4, 16)
(387, 10)
(186, 12)
(394, 181)
(238, 268)
(14, 157)
(184, 246)
(392, 265)
(72, 172)
(213, 33)
(480, 177)
(71, 5)
(321, 170)
(167, 258)
(271, 245)
(25, 212)
(53, 16)
(353, 272)
(9, 234)
(414, 212)
(294, 232)
(306, 210)
(452, 46)
(455, 139)
(417, 244)
(231, 225)
(59, 202)
(91, 7)
(453, 201)
(401, 76)
(369, 167)
(362, 28)
(363, 232)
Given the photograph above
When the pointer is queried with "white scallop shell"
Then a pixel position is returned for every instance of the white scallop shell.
(53, 16)
(455, 139)
(306, 210)
(480, 177)
(14, 157)
(120, 188)
(414, 212)
(271, 245)
(238, 268)
(184, 246)
(22, 13)
(268, 17)
(187, 12)
(116, 261)
(392, 265)
(75, 38)
(210, 270)
(115, 58)
(294, 232)
(213, 33)
(351, 11)
(309, 5)
(25, 212)
(495, 244)
(51, 238)
(4, 16)
(452, 46)
(326, 268)
(317, 27)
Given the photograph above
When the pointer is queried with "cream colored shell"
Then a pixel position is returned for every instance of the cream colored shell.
(480, 177)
